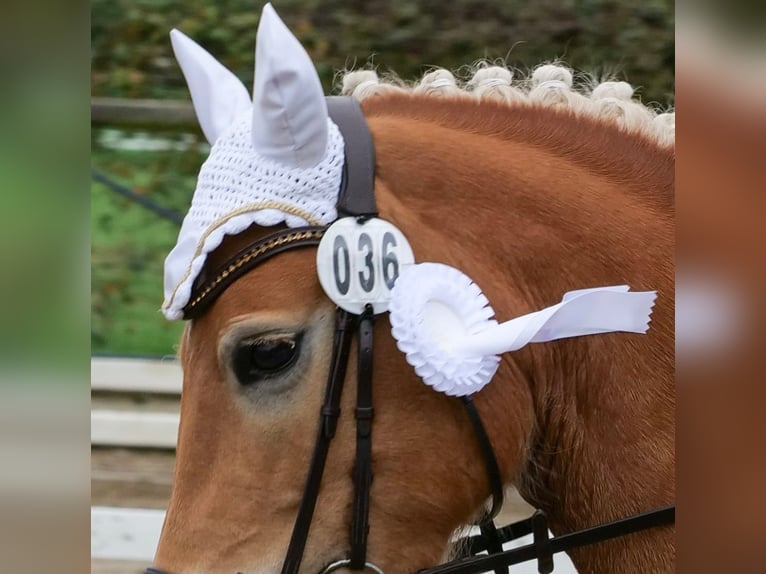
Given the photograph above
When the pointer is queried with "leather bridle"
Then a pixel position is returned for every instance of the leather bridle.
(357, 199)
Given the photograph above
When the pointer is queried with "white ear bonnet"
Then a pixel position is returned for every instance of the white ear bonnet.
(275, 159)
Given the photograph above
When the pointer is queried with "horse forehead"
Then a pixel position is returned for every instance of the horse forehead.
(283, 287)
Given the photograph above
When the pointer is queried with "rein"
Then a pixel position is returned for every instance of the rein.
(357, 199)
(543, 548)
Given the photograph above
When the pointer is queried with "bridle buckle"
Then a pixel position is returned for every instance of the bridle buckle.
(345, 563)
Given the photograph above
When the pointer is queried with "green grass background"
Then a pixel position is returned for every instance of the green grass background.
(129, 244)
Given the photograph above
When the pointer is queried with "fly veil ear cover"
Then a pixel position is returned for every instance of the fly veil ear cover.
(277, 159)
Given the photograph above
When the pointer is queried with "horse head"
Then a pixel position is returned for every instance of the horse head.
(532, 190)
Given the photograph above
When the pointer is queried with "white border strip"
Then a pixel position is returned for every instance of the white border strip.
(124, 533)
(135, 375)
(134, 429)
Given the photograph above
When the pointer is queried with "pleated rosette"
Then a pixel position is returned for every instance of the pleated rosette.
(434, 306)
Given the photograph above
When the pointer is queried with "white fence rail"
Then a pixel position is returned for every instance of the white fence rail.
(130, 535)
(133, 429)
(124, 533)
(136, 427)
(135, 375)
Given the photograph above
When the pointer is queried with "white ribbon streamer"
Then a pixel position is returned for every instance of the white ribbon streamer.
(443, 323)
(580, 313)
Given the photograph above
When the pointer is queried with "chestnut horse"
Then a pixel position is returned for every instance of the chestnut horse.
(531, 188)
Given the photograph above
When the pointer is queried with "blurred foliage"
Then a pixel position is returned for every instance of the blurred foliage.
(132, 57)
(43, 219)
(129, 244)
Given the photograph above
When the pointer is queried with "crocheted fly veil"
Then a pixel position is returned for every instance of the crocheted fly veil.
(277, 158)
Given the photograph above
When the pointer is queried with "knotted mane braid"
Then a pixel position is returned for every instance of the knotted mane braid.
(547, 85)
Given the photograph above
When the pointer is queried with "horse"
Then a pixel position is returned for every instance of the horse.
(532, 187)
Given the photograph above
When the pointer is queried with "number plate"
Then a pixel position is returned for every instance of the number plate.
(358, 263)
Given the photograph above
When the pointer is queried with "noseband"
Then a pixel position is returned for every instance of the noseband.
(357, 199)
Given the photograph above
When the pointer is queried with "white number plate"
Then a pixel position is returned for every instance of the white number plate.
(358, 263)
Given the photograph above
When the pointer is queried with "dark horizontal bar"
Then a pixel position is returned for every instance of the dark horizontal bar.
(142, 113)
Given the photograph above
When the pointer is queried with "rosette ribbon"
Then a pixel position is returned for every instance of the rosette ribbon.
(444, 324)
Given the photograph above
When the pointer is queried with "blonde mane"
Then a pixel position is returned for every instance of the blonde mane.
(548, 85)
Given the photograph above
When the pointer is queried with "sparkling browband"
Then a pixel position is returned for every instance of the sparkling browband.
(205, 291)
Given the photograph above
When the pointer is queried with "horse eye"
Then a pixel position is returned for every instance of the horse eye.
(258, 358)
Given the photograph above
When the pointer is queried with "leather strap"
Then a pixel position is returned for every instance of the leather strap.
(492, 539)
(207, 288)
(488, 531)
(476, 564)
(542, 543)
(357, 196)
(477, 543)
(328, 419)
(363, 465)
(488, 454)
(357, 199)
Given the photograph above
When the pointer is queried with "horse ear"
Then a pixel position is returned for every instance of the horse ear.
(289, 108)
(217, 94)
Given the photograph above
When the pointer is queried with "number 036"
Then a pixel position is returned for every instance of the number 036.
(359, 263)
(365, 248)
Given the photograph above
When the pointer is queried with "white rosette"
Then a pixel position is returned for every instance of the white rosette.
(432, 306)
(444, 325)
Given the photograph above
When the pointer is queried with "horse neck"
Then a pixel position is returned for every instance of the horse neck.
(529, 208)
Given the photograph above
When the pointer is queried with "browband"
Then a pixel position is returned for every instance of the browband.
(205, 291)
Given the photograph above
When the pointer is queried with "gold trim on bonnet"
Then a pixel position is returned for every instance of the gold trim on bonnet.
(270, 204)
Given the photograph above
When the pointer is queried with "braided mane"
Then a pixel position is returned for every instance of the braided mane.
(548, 85)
